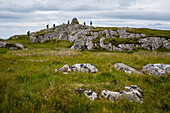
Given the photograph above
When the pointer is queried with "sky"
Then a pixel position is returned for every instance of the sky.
(19, 16)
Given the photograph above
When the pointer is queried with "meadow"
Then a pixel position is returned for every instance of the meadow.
(29, 83)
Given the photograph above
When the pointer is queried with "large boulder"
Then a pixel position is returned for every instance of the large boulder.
(126, 69)
(157, 69)
(75, 21)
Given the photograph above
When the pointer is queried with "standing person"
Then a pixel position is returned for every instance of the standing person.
(68, 22)
(28, 33)
(91, 23)
(84, 23)
(53, 25)
(47, 26)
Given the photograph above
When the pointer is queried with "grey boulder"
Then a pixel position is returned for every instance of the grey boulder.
(156, 69)
(87, 67)
(126, 69)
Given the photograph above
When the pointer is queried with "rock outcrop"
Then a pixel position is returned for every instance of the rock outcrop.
(87, 67)
(157, 69)
(87, 37)
(153, 43)
(12, 46)
(126, 69)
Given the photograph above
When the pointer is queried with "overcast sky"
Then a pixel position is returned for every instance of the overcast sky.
(19, 16)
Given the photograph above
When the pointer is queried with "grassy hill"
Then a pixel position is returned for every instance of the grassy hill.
(28, 82)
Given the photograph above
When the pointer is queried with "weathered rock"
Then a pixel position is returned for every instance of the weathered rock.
(75, 21)
(157, 69)
(20, 46)
(84, 68)
(126, 69)
(151, 43)
(3, 44)
(166, 43)
(65, 68)
(102, 42)
(89, 93)
(112, 96)
(79, 44)
(133, 93)
(12, 46)
(90, 45)
(87, 67)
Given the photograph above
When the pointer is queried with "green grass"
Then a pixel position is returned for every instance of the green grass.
(151, 32)
(28, 82)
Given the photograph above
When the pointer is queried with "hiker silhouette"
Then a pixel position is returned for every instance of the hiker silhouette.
(91, 23)
(28, 33)
(53, 25)
(47, 26)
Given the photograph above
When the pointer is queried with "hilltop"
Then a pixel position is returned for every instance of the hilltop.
(84, 37)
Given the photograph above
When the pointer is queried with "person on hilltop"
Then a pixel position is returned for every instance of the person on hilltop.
(91, 23)
(53, 25)
(84, 23)
(68, 22)
(47, 26)
(28, 33)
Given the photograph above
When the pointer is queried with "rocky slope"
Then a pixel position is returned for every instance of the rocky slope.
(91, 38)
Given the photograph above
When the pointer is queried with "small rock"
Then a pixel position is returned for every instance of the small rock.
(56, 70)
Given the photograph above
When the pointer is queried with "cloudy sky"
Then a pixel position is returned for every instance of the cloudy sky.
(19, 16)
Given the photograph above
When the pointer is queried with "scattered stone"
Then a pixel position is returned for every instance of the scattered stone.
(79, 68)
(157, 69)
(126, 69)
(133, 94)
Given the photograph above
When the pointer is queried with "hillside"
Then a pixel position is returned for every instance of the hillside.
(29, 83)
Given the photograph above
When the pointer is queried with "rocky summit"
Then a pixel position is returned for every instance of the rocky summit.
(90, 38)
